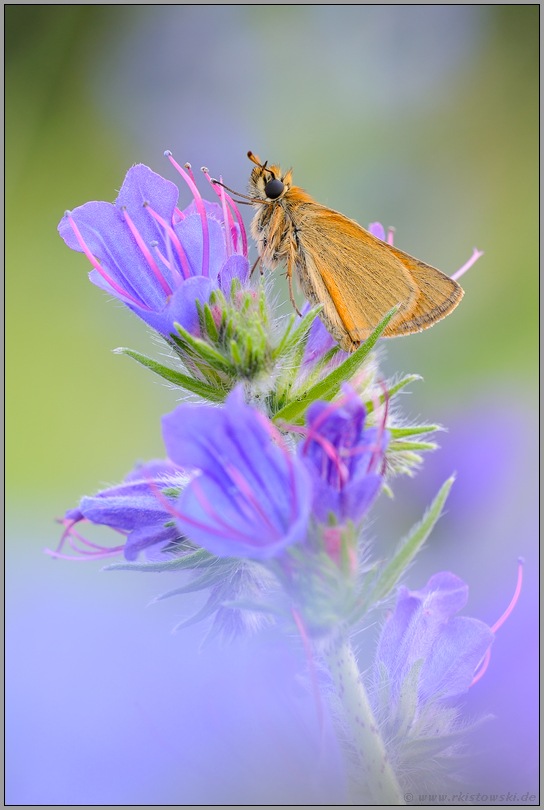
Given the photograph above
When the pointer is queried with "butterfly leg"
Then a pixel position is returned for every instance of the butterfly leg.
(289, 275)
(254, 267)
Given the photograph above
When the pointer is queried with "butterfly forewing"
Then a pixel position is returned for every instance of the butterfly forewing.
(360, 278)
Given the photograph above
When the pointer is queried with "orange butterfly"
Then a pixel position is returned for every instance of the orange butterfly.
(357, 277)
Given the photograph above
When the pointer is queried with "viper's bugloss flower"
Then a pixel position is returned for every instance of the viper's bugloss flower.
(319, 342)
(155, 258)
(132, 509)
(424, 626)
(250, 496)
(345, 459)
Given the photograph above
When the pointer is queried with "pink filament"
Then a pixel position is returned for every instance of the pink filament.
(390, 235)
(201, 210)
(179, 247)
(163, 259)
(236, 211)
(473, 259)
(145, 250)
(71, 535)
(245, 489)
(499, 623)
(97, 266)
(511, 606)
(228, 235)
(208, 508)
(276, 436)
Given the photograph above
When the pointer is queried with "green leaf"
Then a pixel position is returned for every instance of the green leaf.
(327, 388)
(204, 351)
(210, 577)
(411, 446)
(410, 378)
(415, 430)
(181, 380)
(410, 547)
(211, 328)
(289, 342)
(172, 492)
(198, 559)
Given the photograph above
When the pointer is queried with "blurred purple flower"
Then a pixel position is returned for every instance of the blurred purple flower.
(132, 509)
(422, 626)
(345, 459)
(155, 258)
(251, 498)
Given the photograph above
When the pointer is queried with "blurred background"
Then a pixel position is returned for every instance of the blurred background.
(421, 117)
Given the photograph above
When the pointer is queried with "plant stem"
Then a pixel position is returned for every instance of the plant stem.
(379, 774)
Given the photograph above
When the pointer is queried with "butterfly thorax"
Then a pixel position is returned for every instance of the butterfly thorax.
(274, 226)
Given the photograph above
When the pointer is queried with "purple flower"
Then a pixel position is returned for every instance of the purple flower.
(133, 509)
(318, 344)
(422, 627)
(250, 497)
(345, 459)
(155, 258)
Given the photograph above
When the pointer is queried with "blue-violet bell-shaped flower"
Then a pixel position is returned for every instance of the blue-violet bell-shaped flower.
(345, 459)
(155, 258)
(250, 497)
(424, 626)
(132, 509)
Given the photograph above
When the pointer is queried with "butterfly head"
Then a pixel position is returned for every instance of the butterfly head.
(267, 182)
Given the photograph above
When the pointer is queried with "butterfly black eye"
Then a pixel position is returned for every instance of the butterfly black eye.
(273, 189)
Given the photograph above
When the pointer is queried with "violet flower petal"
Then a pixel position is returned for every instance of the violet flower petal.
(251, 498)
(377, 229)
(421, 627)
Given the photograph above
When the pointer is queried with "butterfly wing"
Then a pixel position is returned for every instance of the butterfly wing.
(359, 278)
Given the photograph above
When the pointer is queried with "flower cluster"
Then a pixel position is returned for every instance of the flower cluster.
(271, 471)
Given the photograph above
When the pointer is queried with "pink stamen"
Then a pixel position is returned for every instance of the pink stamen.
(328, 447)
(170, 232)
(511, 606)
(164, 260)
(201, 210)
(190, 172)
(390, 235)
(483, 667)
(145, 250)
(235, 209)
(499, 623)
(71, 535)
(276, 436)
(231, 531)
(223, 195)
(228, 239)
(473, 259)
(179, 213)
(245, 489)
(204, 502)
(97, 266)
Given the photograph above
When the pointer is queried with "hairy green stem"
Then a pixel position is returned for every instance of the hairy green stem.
(378, 773)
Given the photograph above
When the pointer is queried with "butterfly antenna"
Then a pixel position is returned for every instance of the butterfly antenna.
(238, 194)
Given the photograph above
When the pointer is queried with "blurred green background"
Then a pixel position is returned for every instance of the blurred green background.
(421, 117)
